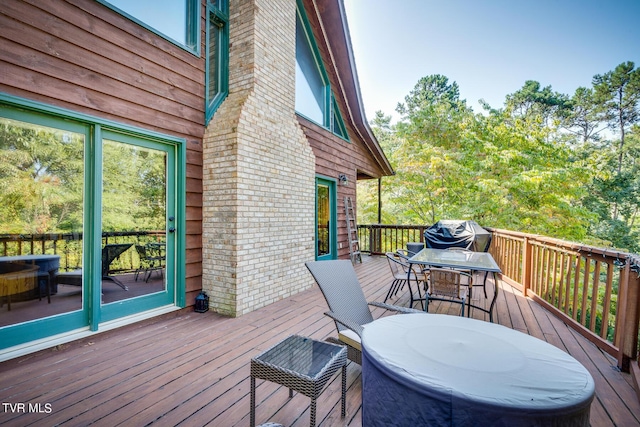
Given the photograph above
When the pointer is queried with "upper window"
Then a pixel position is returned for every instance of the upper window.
(310, 86)
(313, 92)
(176, 20)
(217, 76)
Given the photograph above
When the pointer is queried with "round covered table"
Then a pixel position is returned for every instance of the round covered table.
(440, 370)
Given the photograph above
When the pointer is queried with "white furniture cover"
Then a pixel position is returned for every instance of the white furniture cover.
(439, 370)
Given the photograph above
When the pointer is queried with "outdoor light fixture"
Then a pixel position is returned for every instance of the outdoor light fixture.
(343, 179)
(202, 303)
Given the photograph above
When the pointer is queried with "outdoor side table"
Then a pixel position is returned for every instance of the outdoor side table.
(301, 364)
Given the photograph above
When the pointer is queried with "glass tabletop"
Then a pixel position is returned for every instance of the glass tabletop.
(301, 355)
(467, 260)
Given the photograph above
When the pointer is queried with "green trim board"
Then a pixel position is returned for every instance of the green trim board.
(331, 116)
(217, 56)
(93, 313)
(326, 218)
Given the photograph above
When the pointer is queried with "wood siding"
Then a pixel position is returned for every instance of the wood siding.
(335, 156)
(83, 56)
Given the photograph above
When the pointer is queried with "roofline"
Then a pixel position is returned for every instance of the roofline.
(335, 28)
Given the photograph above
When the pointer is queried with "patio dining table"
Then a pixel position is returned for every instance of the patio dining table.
(440, 370)
(460, 260)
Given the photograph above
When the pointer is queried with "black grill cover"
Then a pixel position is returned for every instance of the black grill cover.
(460, 234)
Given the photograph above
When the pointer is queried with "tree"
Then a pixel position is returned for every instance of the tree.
(431, 90)
(533, 102)
(618, 92)
(585, 118)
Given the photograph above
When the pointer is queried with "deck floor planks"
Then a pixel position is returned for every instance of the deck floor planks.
(188, 368)
(610, 384)
(248, 348)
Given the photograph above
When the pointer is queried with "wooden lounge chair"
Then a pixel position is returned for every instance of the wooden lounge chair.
(347, 305)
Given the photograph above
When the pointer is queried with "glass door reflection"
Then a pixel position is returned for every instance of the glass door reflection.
(41, 206)
(134, 212)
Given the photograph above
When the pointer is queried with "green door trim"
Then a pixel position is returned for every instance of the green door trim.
(331, 183)
(90, 316)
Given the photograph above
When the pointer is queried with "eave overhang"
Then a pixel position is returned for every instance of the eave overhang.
(332, 23)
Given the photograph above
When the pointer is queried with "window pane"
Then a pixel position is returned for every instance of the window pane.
(133, 221)
(168, 17)
(324, 220)
(41, 206)
(214, 58)
(309, 84)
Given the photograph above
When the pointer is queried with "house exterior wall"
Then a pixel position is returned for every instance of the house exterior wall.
(250, 173)
(335, 156)
(84, 57)
(258, 169)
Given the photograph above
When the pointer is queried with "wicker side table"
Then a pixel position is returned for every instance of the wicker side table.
(301, 364)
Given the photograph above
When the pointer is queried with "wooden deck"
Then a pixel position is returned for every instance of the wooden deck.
(192, 369)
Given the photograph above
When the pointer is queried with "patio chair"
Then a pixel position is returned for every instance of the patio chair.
(445, 285)
(400, 272)
(148, 263)
(347, 305)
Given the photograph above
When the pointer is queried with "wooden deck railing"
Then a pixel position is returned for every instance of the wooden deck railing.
(594, 290)
(69, 246)
(379, 238)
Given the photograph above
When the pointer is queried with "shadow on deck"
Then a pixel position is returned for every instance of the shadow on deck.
(192, 369)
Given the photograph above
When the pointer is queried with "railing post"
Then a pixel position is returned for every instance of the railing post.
(628, 320)
(526, 266)
(374, 239)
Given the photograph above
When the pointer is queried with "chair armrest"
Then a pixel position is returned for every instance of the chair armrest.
(347, 323)
(399, 309)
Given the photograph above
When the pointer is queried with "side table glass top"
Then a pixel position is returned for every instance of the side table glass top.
(302, 355)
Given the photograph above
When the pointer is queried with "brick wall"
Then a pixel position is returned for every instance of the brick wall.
(258, 171)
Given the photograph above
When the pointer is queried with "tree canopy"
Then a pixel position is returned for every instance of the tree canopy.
(540, 164)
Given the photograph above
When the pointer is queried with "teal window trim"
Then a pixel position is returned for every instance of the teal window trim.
(218, 14)
(192, 25)
(61, 118)
(337, 123)
(330, 105)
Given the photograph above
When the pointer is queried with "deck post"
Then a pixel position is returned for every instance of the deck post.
(629, 317)
(526, 266)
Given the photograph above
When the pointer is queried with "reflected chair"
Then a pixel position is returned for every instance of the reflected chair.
(446, 285)
(400, 271)
(347, 305)
(110, 252)
(148, 263)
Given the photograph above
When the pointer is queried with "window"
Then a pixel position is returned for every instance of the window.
(337, 124)
(313, 92)
(310, 86)
(217, 75)
(176, 20)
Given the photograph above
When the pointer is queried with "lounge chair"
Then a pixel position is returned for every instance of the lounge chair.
(347, 305)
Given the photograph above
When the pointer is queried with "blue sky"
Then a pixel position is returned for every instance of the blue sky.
(490, 47)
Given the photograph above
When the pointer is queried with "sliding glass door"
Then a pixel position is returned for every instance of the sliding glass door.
(137, 178)
(88, 224)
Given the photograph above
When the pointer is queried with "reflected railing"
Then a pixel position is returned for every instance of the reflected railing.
(69, 247)
(594, 290)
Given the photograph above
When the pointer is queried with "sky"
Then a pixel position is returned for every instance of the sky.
(489, 47)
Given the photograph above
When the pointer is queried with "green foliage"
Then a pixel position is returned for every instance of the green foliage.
(42, 171)
(537, 165)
